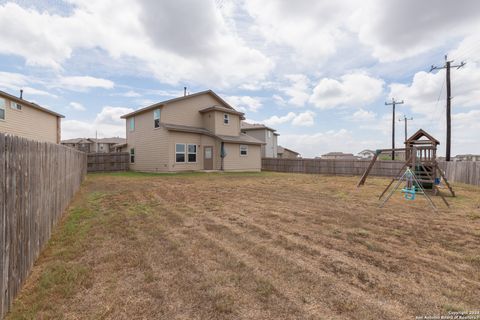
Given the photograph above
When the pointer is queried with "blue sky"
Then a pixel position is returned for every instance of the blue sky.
(317, 71)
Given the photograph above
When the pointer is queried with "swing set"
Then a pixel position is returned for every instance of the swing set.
(420, 172)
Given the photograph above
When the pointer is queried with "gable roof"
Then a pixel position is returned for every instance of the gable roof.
(254, 126)
(281, 150)
(421, 133)
(29, 103)
(162, 103)
(114, 140)
(78, 140)
(242, 138)
(223, 109)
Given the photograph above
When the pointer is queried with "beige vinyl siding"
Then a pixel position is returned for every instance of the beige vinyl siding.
(234, 162)
(209, 121)
(186, 112)
(269, 149)
(151, 144)
(231, 129)
(30, 123)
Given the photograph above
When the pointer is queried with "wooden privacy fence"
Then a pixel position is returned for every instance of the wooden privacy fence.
(330, 166)
(459, 171)
(37, 182)
(107, 162)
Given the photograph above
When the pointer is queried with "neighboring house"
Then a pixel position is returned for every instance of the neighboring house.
(82, 144)
(366, 154)
(91, 145)
(199, 131)
(29, 120)
(467, 157)
(265, 134)
(110, 144)
(338, 155)
(285, 153)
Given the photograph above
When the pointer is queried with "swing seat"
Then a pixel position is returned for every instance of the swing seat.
(409, 193)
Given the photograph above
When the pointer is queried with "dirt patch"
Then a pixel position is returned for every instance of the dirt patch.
(254, 246)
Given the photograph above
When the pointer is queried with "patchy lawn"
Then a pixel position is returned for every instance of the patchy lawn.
(254, 246)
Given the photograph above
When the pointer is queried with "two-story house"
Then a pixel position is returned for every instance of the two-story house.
(93, 145)
(29, 120)
(199, 131)
(265, 134)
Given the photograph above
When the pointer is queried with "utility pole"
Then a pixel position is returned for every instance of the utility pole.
(406, 124)
(393, 103)
(447, 67)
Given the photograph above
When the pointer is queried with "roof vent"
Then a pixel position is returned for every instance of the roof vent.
(21, 93)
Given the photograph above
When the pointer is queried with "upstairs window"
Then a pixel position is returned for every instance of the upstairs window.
(132, 124)
(179, 152)
(226, 118)
(243, 150)
(2, 109)
(269, 134)
(156, 118)
(132, 155)
(192, 153)
(15, 106)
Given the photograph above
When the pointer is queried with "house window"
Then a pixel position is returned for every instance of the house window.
(15, 106)
(132, 155)
(243, 150)
(192, 153)
(156, 118)
(2, 109)
(269, 134)
(226, 119)
(179, 152)
(132, 123)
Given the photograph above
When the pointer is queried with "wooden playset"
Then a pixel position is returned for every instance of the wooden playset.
(420, 170)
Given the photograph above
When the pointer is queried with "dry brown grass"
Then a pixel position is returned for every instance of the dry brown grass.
(254, 246)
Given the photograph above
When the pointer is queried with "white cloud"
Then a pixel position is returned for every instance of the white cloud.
(430, 24)
(362, 115)
(304, 119)
(107, 123)
(298, 91)
(244, 103)
(82, 83)
(77, 106)
(12, 80)
(313, 29)
(203, 48)
(350, 90)
(130, 94)
(36, 92)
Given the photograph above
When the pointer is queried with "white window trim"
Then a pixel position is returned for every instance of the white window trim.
(154, 118)
(4, 108)
(132, 120)
(132, 154)
(189, 153)
(240, 150)
(269, 134)
(226, 118)
(184, 152)
(13, 103)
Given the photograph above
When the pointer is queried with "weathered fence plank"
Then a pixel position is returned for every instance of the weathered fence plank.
(37, 182)
(108, 162)
(458, 171)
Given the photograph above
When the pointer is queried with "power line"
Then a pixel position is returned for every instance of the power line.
(393, 103)
(447, 67)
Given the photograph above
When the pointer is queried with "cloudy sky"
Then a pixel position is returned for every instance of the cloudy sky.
(318, 71)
